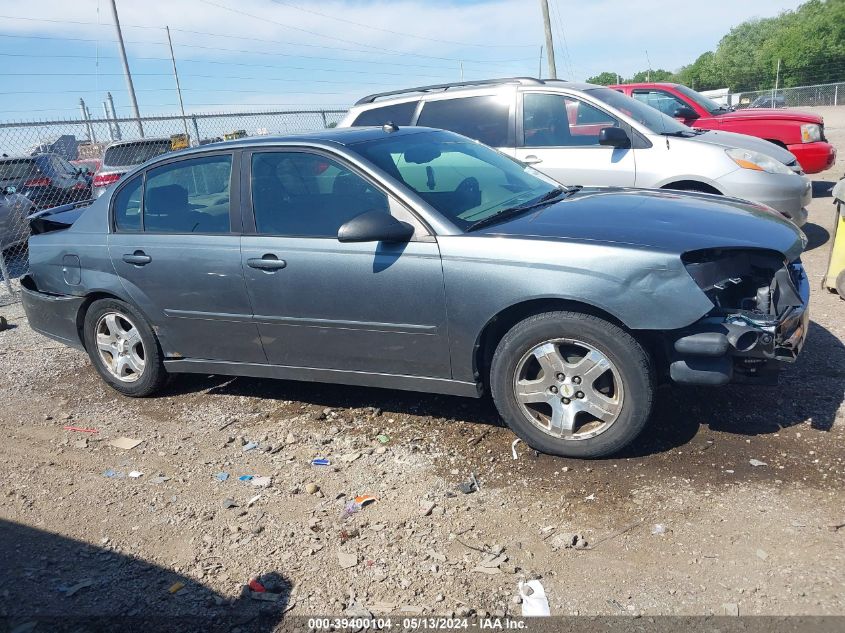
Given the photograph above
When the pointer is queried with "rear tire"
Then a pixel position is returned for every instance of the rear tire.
(123, 348)
(572, 384)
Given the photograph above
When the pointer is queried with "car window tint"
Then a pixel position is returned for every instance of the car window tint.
(189, 196)
(557, 121)
(302, 194)
(659, 100)
(482, 118)
(127, 206)
(398, 113)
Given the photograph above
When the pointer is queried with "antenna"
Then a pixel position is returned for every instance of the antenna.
(648, 76)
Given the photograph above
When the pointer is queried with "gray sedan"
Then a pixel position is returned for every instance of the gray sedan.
(419, 259)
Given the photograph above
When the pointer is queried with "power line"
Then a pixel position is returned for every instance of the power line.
(376, 28)
(345, 41)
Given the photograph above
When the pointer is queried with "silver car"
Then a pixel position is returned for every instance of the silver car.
(14, 209)
(420, 259)
(123, 156)
(591, 135)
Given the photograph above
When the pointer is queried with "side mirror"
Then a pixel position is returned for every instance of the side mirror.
(614, 137)
(375, 226)
(685, 112)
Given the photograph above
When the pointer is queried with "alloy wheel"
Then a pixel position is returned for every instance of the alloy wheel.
(120, 346)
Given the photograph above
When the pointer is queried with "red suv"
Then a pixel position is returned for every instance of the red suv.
(799, 132)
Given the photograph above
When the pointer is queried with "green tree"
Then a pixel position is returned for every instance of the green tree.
(606, 78)
(652, 75)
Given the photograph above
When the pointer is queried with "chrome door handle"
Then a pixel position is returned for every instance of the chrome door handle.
(138, 258)
(268, 262)
(532, 160)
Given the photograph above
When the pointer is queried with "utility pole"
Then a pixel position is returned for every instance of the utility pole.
(648, 59)
(86, 116)
(462, 71)
(110, 101)
(550, 46)
(777, 81)
(179, 89)
(540, 65)
(126, 72)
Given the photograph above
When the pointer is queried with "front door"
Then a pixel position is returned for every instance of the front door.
(560, 137)
(178, 258)
(320, 303)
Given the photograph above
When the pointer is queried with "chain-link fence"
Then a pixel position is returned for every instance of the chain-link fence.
(800, 96)
(52, 163)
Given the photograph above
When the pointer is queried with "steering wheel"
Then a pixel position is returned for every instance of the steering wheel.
(470, 191)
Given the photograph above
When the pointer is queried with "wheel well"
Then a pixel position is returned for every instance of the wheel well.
(83, 310)
(692, 185)
(777, 142)
(498, 326)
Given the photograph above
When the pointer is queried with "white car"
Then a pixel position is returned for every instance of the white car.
(582, 134)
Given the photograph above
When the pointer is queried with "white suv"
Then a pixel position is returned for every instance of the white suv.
(591, 135)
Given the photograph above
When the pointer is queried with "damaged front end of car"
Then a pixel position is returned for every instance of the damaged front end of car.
(759, 319)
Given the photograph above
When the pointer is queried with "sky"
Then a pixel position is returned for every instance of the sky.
(241, 55)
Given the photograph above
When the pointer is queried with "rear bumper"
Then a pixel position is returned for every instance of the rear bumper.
(814, 157)
(54, 316)
(743, 346)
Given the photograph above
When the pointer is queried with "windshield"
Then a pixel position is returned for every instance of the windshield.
(705, 102)
(464, 180)
(134, 153)
(654, 120)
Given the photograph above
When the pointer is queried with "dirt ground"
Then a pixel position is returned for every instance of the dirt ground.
(682, 523)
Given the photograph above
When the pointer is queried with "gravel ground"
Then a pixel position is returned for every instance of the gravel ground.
(682, 523)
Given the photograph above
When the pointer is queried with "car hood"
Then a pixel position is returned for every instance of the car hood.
(670, 221)
(772, 114)
(743, 141)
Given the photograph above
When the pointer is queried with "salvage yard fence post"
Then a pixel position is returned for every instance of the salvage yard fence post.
(76, 141)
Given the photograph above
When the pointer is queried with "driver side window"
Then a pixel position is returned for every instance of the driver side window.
(308, 195)
(551, 120)
(659, 100)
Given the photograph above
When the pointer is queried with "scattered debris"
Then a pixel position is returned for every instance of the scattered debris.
(79, 429)
(312, 488)
(590, 497)
(426, 507)
(228, 504)
(250, 446)
(135, 474)
(534, 601)
(383, 439)
(757, 462)
(658, 529)
(254, 585)
(470, 486)
(111, 474)
(125, 443)
(346, 560)
(176, 587)
(262, 482)
(730, 608)
(252, 501)
(245, 478)
(761, 554)
(227, 424)
(159, 479)
(356, 504)
(82, 584)
(835, 527)
(566, 540)
(320, 461)
(221, 476)
(513, 448)
(350, 457)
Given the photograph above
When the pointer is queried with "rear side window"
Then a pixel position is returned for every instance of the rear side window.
(17, 169)
(127, 206)
(482, 118)
(189, 196)
(399, 113)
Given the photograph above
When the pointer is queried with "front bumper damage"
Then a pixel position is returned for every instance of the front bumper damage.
(746, 345)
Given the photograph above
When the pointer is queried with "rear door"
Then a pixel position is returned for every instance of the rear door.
(559, 135)
(354, 307)
(176, 247)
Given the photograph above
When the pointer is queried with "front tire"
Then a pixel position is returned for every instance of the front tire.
(572, 384)
(123, 348)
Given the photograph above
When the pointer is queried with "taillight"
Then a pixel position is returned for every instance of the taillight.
(38, 182)
(104, 180)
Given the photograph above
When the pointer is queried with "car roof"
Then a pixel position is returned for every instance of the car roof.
(646, 84)
(154, 139)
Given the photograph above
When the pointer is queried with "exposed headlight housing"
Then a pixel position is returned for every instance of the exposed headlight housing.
(748, 159)
(811, 132)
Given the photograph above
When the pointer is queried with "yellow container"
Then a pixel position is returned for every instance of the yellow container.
(834, 278)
